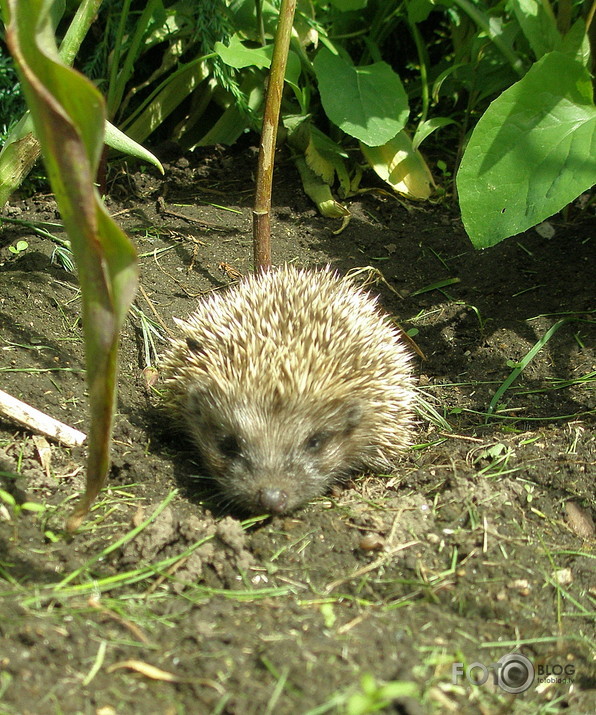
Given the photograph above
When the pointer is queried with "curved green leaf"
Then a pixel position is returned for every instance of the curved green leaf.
(118, 140)
(401, 166)
(69, 117)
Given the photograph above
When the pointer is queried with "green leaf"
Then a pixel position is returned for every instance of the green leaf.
(69, 117)
(368, 103)
(419, 10)
(21, 149)
(19, 247)
(319, 191)
(426, 128)
(531, 153)
(118, 140)
(538, 24)
(577, 43)
(7, 498)
(242, 14)
(33, 507)
(236, 55)
(239, 56)
(164, 100)
(232, 123)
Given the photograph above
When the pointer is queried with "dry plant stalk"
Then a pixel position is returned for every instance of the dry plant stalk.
(262, 209)
(38, 421)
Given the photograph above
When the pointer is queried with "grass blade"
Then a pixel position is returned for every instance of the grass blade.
(528, 357)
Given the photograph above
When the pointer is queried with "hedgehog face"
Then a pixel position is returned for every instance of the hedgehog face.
(273, 457)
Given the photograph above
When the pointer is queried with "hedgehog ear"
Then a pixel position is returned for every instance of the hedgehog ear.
(353, 416)
(346, 415)
(195, 400)
(194, 346)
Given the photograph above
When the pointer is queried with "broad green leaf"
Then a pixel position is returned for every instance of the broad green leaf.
(576, 43)
(321, 147)
(368, 103)
(538, 24)
(69, 117)
(243, 17)
(419, 10)
(322, 155)
(319, 163)
(401, 166)
(532, 152)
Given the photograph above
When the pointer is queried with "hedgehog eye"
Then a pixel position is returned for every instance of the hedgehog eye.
(229, 446)
(317, 441)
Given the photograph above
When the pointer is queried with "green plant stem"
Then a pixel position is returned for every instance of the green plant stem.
(78, 28)
(113, 80)
(423, 60)
(116, 90)
(38, 229)
(590, 16)
(483, 22)
(262, 209)
(259, 18)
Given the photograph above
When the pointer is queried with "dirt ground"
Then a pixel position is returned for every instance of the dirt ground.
(377, 597)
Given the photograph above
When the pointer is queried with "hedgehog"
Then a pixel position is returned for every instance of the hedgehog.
(287, 383)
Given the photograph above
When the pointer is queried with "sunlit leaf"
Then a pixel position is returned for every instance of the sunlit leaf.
(368, 103)
(401, 166)
(531, 153)
(237, 55)
(425, 129)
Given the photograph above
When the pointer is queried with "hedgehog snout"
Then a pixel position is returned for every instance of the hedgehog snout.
(272, 500)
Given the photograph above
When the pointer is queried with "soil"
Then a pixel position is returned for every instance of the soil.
(480, 545)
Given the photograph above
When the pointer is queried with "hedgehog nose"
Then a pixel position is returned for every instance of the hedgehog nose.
(273, 500)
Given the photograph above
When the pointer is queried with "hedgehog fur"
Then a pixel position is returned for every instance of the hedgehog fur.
(287, 382)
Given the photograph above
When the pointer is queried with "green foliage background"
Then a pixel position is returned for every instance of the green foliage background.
(382, 77)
